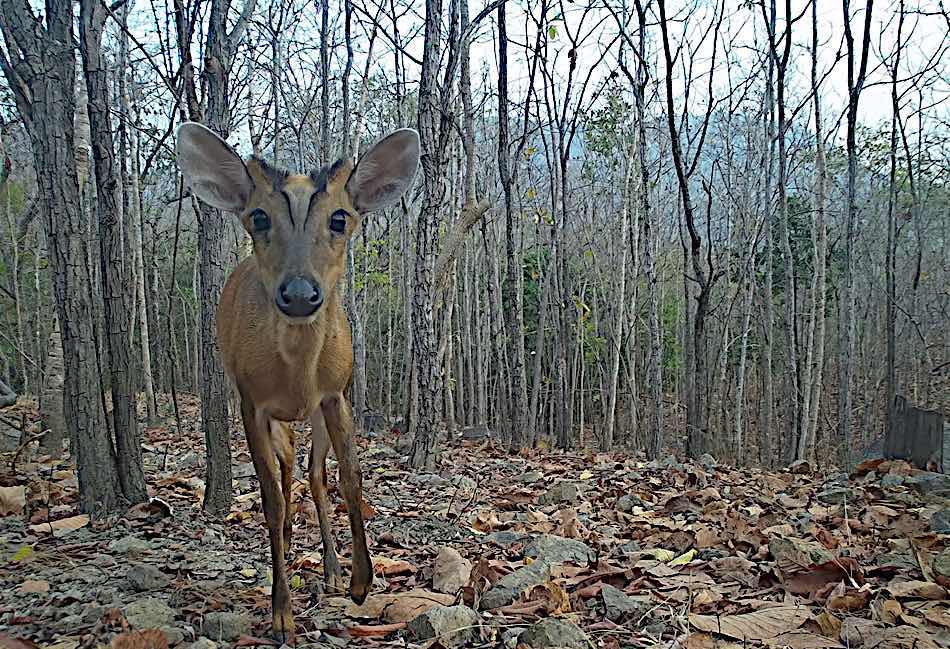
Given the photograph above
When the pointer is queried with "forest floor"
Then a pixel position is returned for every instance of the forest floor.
(576, 549)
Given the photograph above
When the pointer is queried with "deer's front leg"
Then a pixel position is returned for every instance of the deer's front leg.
(320, 445)
(256, 427)
(339, 421)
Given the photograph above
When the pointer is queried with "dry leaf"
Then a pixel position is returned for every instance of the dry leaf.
(830, 625)
(384, 565)
(451, 571)
(763, 624)
(34, 586)
(803, 640)
(12, 500)
(374, 630)
(843, 598)
(938, 616)
(917, 589)
(62, 526)
(145, 639)
(887, 611)
(398, 607)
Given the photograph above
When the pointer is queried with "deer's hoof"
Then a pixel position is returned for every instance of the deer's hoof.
(283, 627)
(358, 592)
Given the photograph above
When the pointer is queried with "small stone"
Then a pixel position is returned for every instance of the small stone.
(204, 643)
(510, 587)
(560, 492)
(838, 496)
(506, 538)
(940, 521)
(189, 460)
(222, 625)
(891, 480)
(554, 632)
(941, 563)
(452, 571)
(800, 467)
(557, 549)
(464, 483)
(145, 577)
(452, 626)
(175, 635)
(430, 479)
(529, 477)
(628, 502)
(130, 545)
(618, 606)
(707, 461)
(149, 613)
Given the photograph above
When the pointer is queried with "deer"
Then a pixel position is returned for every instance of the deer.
(282, 333)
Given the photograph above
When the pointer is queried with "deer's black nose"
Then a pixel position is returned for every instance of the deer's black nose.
(299, 297)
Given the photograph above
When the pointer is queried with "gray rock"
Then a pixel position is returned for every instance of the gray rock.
(430, 479)
(510, 587)
(204, 643)
(222, 625)
(928, 483)
(453, 626)
(707, 461)
(474, 433)
(940, 521)
(506, 538)
(629, 549)
(941, 563)
(557, 549)
(130, 545)
(838, 496)
(145, 577)
(149, 613)
(891, 480)
(618, 606)
(189, 460)
(175, 635)
(529, 477)
(628, 502)
(554, 632)
(560, 492)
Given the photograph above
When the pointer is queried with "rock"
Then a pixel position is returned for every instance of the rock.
(891, 480)
(145, 577)
(506, 538)
(560, 492)
(838, 496)
(452, 571)
(940, 521)
(510, 587)
(464, 483)
(629, 549)
(628, 502)
(800, 467)
(557, 549)
(175, 635)
(453, 626)
(707, 461)
(189, 460)
(618, 606)
(222, 625)
(941, 563)
(243, 470)
(204, 643)
(149, 613)
(474, 433)
(130, 545)
(554, 632)
(430, 479)
(529, 477)
(927, 482)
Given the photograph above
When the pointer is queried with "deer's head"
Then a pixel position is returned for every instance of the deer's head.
(300, 223)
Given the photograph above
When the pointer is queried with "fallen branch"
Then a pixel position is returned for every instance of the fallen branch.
(469, 216)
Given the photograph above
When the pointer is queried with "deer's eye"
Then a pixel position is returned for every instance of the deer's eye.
(260, 220)
(338, 222)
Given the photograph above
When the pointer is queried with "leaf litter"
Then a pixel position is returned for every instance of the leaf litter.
(629, 552)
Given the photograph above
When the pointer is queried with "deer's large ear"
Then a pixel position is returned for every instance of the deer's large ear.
(385, 172)
(215, 173)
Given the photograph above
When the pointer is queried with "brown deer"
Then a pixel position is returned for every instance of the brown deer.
(284, 338)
